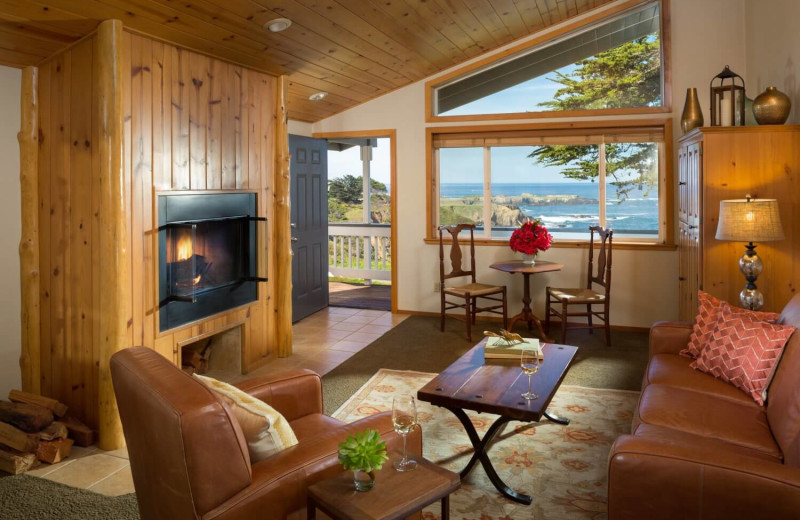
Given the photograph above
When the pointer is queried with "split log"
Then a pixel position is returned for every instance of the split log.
(54, 451)
(57, 430)
(18, 439)
(79, 432)
(27, 417)
(58, 409)
(14, 462)
(192, 358)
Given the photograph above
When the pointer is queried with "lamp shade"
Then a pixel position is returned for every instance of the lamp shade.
(749, 220)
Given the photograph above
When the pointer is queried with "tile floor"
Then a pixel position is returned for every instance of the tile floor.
(322, 341)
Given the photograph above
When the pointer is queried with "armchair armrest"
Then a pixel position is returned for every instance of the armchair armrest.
(663, 479)
(294, 393)
(280, 482)
(669, 337)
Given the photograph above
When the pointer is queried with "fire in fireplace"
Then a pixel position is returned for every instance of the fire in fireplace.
(208, 255)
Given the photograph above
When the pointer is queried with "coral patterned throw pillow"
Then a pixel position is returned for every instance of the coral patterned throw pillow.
(744, 351)
(706, 320)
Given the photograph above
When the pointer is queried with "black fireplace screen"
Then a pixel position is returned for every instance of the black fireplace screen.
(208, 252)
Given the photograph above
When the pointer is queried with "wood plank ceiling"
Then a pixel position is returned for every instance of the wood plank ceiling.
(354, 50)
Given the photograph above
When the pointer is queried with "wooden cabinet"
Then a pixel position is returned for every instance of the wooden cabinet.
(719, 163)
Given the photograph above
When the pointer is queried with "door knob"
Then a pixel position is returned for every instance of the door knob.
(293, 225)
(294, 239)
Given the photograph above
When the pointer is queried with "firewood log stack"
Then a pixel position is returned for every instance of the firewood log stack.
(35, 428)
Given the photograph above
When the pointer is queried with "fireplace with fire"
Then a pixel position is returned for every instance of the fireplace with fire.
(208, 255)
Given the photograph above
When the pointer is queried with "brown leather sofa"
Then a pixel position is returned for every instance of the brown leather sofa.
(701, 448)
(189, 459)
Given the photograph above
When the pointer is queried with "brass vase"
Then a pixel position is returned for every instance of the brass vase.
(771, 107)
(692, 116)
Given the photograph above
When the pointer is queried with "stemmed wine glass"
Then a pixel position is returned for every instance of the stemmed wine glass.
(404, 418)
(529, 361)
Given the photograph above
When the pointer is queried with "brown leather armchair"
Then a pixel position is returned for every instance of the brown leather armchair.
(189, 459)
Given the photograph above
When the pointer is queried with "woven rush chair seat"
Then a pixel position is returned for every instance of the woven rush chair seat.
(475, 289)
(577, 295)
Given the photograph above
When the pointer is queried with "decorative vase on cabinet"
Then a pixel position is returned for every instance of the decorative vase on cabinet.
(692, 116)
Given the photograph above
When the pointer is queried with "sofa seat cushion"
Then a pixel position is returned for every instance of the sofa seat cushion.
(672, 370)
(706, 415)
(668, 436)
(312, 425)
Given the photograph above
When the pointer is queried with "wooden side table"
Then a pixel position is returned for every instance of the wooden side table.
(396, 494)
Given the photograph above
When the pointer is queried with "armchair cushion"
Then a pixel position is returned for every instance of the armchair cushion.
(265, 430)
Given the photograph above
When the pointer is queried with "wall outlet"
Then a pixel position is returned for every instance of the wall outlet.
(437, 286)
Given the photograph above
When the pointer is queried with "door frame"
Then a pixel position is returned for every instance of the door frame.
(391, 134)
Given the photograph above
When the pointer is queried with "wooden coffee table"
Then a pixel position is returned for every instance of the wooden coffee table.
(471, 384)
(396, 494)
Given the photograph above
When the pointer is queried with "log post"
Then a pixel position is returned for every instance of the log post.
(28, 137)
(283, 230)
(113, 309)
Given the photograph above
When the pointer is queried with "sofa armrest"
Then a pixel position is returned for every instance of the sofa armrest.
(280, 482)
(659, 479)
(669, 337)
(294, 393)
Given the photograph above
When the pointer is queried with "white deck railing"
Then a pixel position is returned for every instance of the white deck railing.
(360, 251)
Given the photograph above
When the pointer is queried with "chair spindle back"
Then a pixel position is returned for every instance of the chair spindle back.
(603, 276)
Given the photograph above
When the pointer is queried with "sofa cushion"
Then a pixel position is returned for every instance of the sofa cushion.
(672, 370)
(783, 406)
(670, 436)
(705, 322)
(744, 351)
(706, 415)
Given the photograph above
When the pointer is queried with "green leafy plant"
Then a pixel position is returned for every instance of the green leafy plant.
(364, 450)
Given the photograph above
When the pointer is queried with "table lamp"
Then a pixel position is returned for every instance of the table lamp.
(750, 220)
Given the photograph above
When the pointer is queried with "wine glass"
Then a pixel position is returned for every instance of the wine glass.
(404, 418)
(529, 361)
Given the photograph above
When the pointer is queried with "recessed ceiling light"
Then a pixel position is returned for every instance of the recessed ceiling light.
(278, 24)
(317, 96)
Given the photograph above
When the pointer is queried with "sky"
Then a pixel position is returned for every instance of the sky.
(348, 162)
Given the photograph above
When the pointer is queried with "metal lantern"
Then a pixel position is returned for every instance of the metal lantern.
(727, 99)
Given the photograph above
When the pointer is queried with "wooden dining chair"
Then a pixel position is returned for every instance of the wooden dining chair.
(471, 292)
(587, 297)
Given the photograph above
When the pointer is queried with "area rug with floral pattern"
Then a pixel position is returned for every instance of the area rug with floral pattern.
(562, 467)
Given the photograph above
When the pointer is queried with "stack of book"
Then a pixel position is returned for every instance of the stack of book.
(498, 348)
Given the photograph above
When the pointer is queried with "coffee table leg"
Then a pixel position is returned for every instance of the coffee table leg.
(556, 419)
(481, 446)
(446, 508)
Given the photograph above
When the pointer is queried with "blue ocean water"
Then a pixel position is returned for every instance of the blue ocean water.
(635, 215)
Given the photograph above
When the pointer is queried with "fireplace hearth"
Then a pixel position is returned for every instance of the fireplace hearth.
(208, 255)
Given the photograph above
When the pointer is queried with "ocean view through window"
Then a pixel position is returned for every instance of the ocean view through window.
(609, 177)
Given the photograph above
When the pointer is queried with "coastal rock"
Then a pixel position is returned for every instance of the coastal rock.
(507, 216)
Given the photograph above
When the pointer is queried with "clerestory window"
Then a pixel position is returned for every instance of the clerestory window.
(614, 65)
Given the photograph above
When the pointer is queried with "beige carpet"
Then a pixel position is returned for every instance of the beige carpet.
(562, 467)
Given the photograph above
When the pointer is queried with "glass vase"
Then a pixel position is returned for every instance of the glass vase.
(363, 480)
(529, 259)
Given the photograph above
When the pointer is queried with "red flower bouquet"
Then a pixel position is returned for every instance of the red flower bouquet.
(530, 238)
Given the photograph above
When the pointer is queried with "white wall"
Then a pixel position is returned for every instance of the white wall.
(706, 36)
(773, 49)
(9, 231)
(299, 128)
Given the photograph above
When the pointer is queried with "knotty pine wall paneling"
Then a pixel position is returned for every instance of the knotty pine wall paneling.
(191, 123)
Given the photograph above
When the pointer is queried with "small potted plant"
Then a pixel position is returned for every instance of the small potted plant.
(530, 238)
(363, 453)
